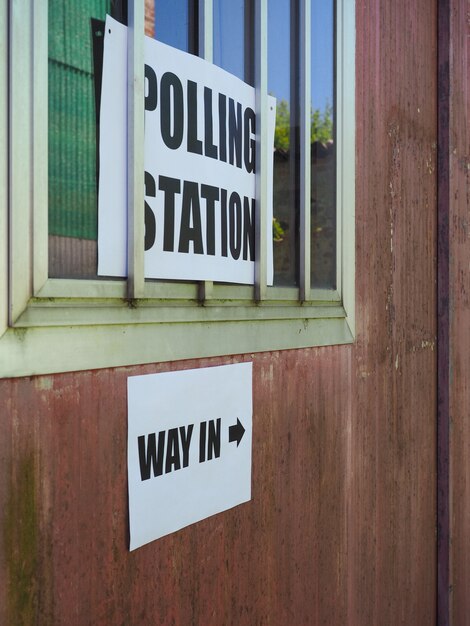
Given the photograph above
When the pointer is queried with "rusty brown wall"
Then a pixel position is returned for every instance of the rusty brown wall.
(391, 514)
(460, 311)
(341, 527)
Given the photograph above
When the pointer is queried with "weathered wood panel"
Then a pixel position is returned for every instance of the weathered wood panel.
(392, 511)
(341, 528)
(460, 311)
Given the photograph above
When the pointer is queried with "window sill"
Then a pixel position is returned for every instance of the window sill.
(61, 336)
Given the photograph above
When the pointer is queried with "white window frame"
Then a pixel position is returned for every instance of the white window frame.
(55, 325)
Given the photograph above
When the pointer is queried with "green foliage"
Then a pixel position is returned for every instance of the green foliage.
(321, 125)
(321, 128)
(278, 231)
(282, 130)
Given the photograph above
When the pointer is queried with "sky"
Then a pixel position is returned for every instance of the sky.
(171, 18)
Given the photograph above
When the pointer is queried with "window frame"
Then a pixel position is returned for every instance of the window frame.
(56, 325)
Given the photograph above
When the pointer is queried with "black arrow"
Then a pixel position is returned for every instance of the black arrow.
(236, 432)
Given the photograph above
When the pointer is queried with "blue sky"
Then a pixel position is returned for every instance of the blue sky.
(322, 50)
(172, 27)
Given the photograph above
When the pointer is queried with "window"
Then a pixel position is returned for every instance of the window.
(60, 315)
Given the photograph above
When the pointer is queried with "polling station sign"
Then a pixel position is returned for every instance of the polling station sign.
(189, 447)
(200, 166)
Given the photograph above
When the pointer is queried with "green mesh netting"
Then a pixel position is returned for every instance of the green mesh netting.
(72, 118)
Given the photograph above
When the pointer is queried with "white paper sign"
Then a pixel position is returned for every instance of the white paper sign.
(200, 153)
(189, 447)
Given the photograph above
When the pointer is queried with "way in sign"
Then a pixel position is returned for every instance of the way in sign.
(168, 450)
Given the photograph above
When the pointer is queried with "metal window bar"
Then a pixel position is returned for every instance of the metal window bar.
(40, 146)
(261, 86)
(294, 144)
(345, 159)
(305, 152)
(195, 8)
(248, 44)
(206, 21)
(206, 18)
(135, 150)
(338, 68)
(3, 166)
